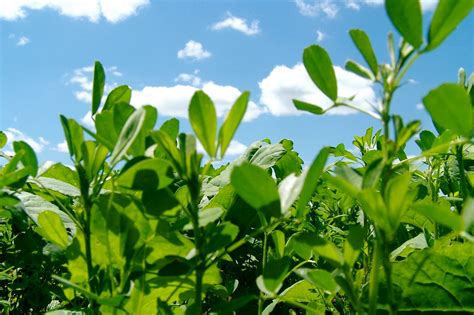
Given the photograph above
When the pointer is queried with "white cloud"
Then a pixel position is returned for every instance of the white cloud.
(235, 148)
(191, 78)
(174, 100)
(61, 147)
(238, 24)
(82, 78)
(193, 50)
(16, 135)
(112, 10)
(328, 7)
(284, 84)
(320, 36)
(420, 106)
(22, 41)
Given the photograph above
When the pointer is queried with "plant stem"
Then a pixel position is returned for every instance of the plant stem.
(462, 175)
(264, 259)
(374, 278)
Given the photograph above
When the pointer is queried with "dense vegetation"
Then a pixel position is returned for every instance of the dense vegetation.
(144, 224)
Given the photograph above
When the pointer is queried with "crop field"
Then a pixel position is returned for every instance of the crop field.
(142, 222)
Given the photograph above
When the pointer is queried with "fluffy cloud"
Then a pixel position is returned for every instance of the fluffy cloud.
(61, 147)
(82, 78)
(238, 24)
(284, 84)
(191, 78)
(320, 36)
(193, 50)
(328, 7)
(112, 10)
(235, 148)
(331, 7)
(16, 135)
(174, 100)
(22, 41)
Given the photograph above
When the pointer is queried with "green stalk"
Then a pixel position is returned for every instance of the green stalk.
(264, 259)
(374, 278)
(462, 175)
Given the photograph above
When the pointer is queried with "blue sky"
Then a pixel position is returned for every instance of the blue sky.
(164, 50)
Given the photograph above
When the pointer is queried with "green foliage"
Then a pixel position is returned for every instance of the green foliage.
(140, 225)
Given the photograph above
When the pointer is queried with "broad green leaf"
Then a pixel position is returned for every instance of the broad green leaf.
(307, 244)
(147, 174)
(279, 242)
(205, 217)
(74, 136)
(450, 107)
(426, 140)
(52, 229)
(446, 18)
(129, 133)
(34, 205)
(404, 250)
(98, 84)
(58, 185)
(121, 94)
(439, 213)
(358, 69)
(407, 18)
(28, 159)
(353, 244)
(3, 139)
(362, 42)
(307, 107)
(171, 127)
(203, 119)
(221, 235)
(275, 272)
(436, 280)
(311, 180)
(396, 197)
(289, 190)
(372, 174)
(319, 66)
(232, 121)
(319, 278)
(256, 187)
(468, 213)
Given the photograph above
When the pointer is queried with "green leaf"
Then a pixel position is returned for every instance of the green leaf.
(121, 94)
(353, 244)
(407, 18)
(279, 242)
(129, 133)
(148, 174)
(203, 119)
(52, 229)
(34, 205)
(320, 69)
(319, 278)
(426, 140)
(468, 213)
(311, 179)
(439, 213)
(358, 69)
(3, 139)
(256, 187)
(74, 137)
(232, 121)
(289, 190)
(436, 280)
(275, 272)
(307, 244)
(28, 159)
(171, 127)
(97, 86)
(446, 18)
(205, 217)
(362, 42)
(221, 235)
(307, 107)
(450, 107)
